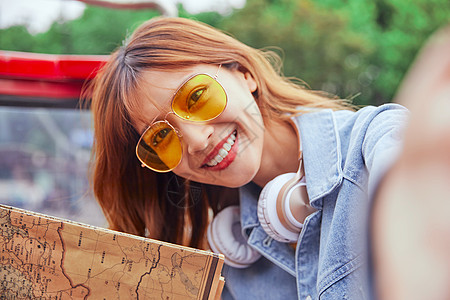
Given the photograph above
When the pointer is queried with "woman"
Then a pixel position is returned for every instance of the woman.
(212, 122)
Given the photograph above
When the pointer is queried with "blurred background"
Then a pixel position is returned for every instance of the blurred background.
(352, 48)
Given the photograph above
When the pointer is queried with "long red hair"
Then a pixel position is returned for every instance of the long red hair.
(137, 200)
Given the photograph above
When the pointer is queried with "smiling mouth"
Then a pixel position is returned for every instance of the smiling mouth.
(223, 155)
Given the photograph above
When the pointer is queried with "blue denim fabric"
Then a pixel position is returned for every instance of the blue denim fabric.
(345, 154)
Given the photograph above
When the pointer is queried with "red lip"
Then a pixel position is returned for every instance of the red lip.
(227, 160)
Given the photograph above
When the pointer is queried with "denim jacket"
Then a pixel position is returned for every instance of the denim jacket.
(345, 154)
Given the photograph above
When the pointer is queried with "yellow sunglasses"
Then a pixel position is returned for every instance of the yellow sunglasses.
(200, 98)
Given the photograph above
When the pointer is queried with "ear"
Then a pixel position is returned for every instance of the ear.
(251, 83)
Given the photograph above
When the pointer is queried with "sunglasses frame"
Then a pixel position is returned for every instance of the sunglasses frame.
(144, 164)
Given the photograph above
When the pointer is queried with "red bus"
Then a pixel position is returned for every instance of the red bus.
(45, 138)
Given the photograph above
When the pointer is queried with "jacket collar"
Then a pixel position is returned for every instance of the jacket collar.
(321, 153)
(321, 159)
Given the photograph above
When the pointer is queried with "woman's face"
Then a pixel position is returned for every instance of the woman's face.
(225, 151)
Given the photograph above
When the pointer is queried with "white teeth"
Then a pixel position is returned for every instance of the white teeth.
(218, 158)
(223, 152)
(212, 163)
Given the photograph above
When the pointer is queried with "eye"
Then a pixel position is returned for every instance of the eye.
(159, 136)
(194, 97)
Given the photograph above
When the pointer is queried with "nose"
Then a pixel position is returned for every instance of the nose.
(196, 136)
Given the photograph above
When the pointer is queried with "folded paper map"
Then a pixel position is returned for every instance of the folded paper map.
(44, 257)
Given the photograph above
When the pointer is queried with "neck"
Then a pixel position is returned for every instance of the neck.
(281, 151)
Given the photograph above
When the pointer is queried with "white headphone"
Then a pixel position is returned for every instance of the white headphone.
(224, 236)
(283, 206)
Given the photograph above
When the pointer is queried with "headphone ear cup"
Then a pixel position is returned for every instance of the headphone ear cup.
(267, 210)
(224, 236)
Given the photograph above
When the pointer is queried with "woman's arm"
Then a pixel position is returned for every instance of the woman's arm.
(411, 217)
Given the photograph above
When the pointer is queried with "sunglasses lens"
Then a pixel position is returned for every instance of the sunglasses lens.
(160, 147)
(201, 98)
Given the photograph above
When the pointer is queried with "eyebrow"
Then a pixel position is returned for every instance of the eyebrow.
(147, 125)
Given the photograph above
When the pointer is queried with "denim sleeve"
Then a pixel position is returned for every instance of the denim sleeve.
(382, 146)
(383, 141)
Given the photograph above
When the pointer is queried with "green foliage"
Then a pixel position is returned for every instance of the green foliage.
(351, 47)
(314, 41)
(212, 18)
(102, 30)
(98, 31)
(394, 30)
(346, 47)
(16, 38)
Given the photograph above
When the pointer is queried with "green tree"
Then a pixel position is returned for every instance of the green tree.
(314, 42)
(394, 30)
(16, 38)
(349, 47)
(99, 31)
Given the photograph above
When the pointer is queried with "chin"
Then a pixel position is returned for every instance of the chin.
(235, 180)
(221, 178)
